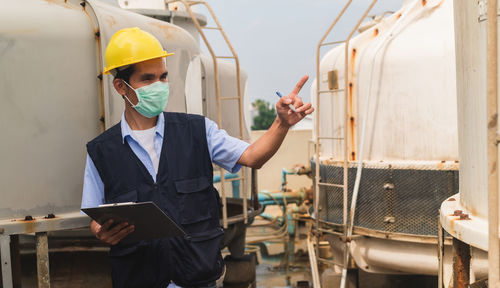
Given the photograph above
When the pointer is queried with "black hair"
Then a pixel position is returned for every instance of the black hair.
(125, 73)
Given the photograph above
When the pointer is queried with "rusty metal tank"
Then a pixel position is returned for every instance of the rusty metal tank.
(55, 98)
(402, 127)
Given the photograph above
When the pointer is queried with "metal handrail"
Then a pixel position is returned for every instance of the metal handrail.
(187, 5)
(317, 148)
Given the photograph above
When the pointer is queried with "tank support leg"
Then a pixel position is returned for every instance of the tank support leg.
(6, 267)
(440, 254)
(42, 259)
(461, 264)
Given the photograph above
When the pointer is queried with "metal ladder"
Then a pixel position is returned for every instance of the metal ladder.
(188, 4)
(348, 145)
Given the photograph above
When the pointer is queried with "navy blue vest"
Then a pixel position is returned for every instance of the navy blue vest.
(183, 190)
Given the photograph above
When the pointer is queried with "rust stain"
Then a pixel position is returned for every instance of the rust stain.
(473, 211)
(452, 199)
(399, 15)
(464, 217)
(353, 59)
(424, 2)
(375, 32)
(352, 122)
(168, 31)
(493, 121)
(110, 20)
(60, 3)
(29, 226)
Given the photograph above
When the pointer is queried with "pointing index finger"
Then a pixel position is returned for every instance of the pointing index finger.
(299, 85)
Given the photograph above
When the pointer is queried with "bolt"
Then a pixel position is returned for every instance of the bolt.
(28, 218)
(452, 199)
(50, 216)
(457, 213)
(389, 219)
(388, 186)
(82, 4)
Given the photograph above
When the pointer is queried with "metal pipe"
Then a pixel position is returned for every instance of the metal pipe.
(42, 259)
(314, 263)
(346, 140)
(359, 169)
(492, 120)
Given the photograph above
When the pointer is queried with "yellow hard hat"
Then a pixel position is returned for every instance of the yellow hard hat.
(131, 45)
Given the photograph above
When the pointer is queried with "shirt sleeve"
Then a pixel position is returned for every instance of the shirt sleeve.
(224, 150)
(93, 188)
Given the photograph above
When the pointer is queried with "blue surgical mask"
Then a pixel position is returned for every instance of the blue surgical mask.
(152, 98)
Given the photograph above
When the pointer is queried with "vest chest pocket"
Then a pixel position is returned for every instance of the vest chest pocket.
(196, 200)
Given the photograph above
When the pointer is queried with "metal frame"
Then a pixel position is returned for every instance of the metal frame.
(318, 137)
(493, 140)
(347, 145)
(234, 56)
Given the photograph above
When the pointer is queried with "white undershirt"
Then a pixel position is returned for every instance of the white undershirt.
(146, 139)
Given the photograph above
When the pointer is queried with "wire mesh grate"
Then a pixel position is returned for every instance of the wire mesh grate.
(389, 200)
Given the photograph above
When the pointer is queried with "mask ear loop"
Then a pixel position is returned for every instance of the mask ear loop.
(138, 99)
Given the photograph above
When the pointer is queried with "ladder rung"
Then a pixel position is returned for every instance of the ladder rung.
(233, 179)
(194, 2)
(229, 98)
(331, 91)
(331, 185)
(329, 261)
(332, 43)
(225, 57)
(331, 138)
(211, 28)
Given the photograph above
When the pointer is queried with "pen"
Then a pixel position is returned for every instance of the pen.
(289, 105)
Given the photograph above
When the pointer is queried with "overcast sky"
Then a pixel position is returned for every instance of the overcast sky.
(276, 39)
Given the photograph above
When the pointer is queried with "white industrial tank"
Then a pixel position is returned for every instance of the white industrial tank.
(470, 30)
(402, 92)
(55, 99)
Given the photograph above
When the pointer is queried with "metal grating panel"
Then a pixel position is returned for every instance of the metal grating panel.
(389, 200)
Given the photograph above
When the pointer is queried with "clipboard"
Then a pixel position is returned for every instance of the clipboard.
(150, 221)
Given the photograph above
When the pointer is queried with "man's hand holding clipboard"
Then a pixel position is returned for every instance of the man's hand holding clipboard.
(131, 222)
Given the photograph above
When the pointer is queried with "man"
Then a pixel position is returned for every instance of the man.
(167, 158)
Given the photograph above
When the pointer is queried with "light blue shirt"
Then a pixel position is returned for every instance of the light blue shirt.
(224, 151)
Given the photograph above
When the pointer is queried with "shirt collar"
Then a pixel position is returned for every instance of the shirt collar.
(127, 131)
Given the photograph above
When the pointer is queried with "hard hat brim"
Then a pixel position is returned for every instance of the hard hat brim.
(163, 55)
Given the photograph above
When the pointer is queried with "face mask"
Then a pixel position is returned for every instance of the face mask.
(152, 98)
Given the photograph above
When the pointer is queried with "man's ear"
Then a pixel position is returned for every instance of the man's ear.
(119, 86)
